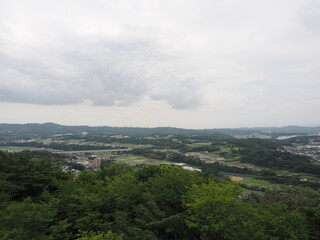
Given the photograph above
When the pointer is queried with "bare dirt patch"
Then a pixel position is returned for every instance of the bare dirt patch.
(236, 179)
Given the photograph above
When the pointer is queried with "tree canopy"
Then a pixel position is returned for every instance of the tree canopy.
(40, 201)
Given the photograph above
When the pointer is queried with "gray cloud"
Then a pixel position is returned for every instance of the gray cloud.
(215, 58)
(309, 16)
(103, 71)
(177, 93)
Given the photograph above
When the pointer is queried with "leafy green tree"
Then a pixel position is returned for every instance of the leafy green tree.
(129, 206)
(147, 172)
(79, 206)
(26, 220)
(99, 236)
(116, 169)
(22, 177)
(124, 191)
(39, 201)
(295, 197)
(304, 200)
(218, 213)
(169, 187)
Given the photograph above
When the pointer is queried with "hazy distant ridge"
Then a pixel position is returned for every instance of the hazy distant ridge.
(52, 128)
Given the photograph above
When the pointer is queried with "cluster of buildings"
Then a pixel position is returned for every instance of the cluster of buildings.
(94, 164)
(205, 158)
(312, 150)
(184, 166)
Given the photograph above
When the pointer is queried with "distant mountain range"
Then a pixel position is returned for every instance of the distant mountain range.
(290, 130)
(49, 129)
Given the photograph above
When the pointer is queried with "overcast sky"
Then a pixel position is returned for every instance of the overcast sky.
(147, 63)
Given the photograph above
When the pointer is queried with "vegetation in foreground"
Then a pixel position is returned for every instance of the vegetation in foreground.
(39, 201)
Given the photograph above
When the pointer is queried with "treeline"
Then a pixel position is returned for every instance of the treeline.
(268, 153)
(43, 154)
(61, 146)
(292, 181)
(279, 160)
(168, 156)
(157, 143)
(202, 148)
(173, 142)
(210, 168)
(150, 153)
(50, 129)
(254, 143)
(40, 202)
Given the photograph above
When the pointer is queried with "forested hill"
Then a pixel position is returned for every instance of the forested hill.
(52, 128)
(290, 130)
(47, 129)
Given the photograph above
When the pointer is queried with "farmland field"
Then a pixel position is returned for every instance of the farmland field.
(134, 160)
(253, 182)
(196, 144)
(19, 149)
(236, 179)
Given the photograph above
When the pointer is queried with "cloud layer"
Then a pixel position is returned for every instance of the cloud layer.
(218, 56)
(95, 68)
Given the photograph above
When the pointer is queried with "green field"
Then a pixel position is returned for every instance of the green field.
(19, 149)
(134, 160)
(309, 176)
(196, 144)
(253, 182)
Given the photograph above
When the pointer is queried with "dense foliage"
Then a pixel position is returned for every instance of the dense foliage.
(279, 160)
(40, 202)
